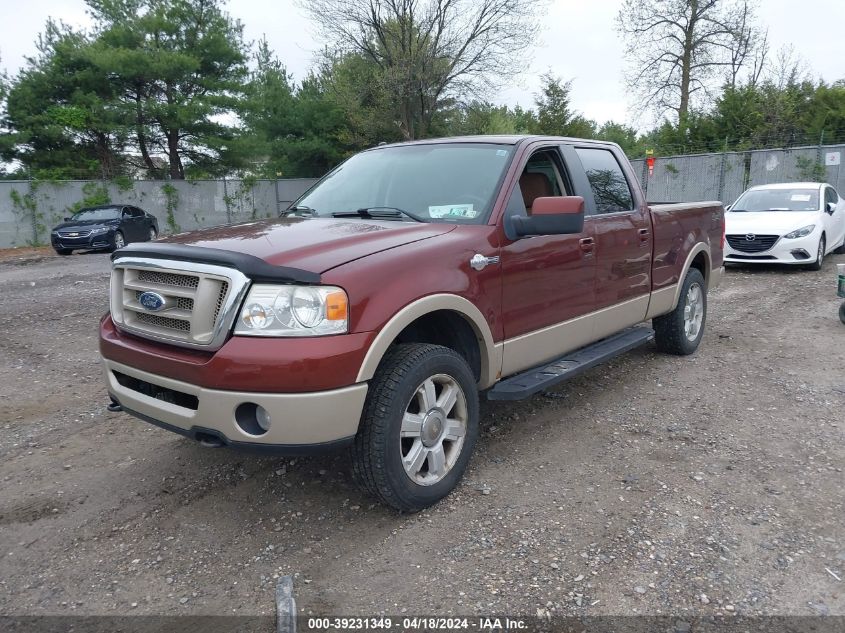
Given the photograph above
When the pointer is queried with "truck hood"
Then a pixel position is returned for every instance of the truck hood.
(768, 222)
(312, 244)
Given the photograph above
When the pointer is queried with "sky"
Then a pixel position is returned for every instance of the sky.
(578, 42)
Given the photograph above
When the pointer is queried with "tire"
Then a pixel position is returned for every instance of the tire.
(153, 234)
(63, 251)
(118, 241)
(671, 333)
(401, 421)
(842, 312)
(817, 265)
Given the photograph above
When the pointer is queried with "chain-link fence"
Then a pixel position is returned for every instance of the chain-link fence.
(723, 176)
(29, 209)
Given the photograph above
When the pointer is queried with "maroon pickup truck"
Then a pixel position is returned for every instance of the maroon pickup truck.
(406, 282)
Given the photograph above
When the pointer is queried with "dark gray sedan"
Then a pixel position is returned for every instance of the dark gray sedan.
(107, 227)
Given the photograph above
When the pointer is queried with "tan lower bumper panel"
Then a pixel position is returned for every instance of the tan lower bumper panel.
(215, 439)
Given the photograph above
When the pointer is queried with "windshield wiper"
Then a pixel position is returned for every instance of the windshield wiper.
(300, 211)
(378, 212)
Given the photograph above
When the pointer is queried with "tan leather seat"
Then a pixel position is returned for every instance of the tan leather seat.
(534, 186)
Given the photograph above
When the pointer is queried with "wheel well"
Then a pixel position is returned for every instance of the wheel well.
(447, 328)
(700, 262)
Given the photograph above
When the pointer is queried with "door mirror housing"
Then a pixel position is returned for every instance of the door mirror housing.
(559, 215)
(830, 207)
(67, 218)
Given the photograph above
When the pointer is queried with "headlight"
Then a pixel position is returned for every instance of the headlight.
(804, 231)
(294, 311)
(100, 229)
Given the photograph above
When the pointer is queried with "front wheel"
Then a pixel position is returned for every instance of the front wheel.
(418, 428)
(63, 251)
(842, 312)
(118, 241)
(680, 331)
(817, 265)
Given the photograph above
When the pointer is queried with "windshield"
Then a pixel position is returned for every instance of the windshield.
(105, 213)
(447, 182)
(778, 200)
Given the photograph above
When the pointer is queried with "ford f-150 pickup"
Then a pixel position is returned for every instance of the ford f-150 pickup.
(409, 280)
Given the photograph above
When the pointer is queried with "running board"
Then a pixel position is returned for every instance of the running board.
(530, 382)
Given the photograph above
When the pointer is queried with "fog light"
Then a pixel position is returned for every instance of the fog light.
(262, 416)
(252, 418)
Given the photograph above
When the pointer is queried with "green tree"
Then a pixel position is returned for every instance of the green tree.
(60, 116)
(555, 116)
(623, 135)
(180, 66)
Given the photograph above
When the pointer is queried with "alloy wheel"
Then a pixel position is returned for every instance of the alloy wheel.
(693, 312)
(433, 430)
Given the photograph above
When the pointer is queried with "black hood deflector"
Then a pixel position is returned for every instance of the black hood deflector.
(253, 267)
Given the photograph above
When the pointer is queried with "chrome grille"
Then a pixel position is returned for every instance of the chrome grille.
(168, 279)
(220, 298)
(198, 301)
(74, 233)
(186, 303)
(164, 322)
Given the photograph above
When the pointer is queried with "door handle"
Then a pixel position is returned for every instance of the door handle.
(587, 245)
(644, 233)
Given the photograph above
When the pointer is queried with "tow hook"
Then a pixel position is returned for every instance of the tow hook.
(114, 406)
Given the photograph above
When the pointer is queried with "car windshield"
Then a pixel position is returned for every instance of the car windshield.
(440, 182)
(778, 200)
(103, 213)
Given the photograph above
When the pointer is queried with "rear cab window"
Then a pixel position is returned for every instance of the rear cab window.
(611, 191)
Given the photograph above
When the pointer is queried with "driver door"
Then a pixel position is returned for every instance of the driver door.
(548, 280)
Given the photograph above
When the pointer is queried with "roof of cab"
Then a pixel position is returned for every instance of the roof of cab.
(498, 139)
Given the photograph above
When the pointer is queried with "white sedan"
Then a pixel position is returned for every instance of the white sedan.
(787, 223)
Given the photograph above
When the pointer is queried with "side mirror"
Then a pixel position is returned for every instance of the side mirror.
(831, 207)
(549, 216)
(67, 218)
(728, 208)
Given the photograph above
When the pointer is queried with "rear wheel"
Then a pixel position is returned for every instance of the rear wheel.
(817, 265)
(153, 234)
(842, 312)
(418, 428)
(680, 331)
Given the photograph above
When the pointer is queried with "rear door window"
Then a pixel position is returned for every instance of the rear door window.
(611, 191)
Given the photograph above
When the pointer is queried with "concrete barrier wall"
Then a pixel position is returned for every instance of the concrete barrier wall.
(723, 176)
(29, 209)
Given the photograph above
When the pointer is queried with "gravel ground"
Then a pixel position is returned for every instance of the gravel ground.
(703, 485)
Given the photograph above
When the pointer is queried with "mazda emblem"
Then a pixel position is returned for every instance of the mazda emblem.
(750, 237)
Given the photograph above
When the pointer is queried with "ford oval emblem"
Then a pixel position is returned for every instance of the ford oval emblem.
(151, 301)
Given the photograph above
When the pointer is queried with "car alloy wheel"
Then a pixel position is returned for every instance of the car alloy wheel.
(119, 242)
(153, 234)
(433, 429)
(693, 312)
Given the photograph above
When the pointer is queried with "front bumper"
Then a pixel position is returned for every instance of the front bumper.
(300, 422)
(798, 251)
(90, 242)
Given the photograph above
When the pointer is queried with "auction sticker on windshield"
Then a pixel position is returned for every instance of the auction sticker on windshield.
(452, 211)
